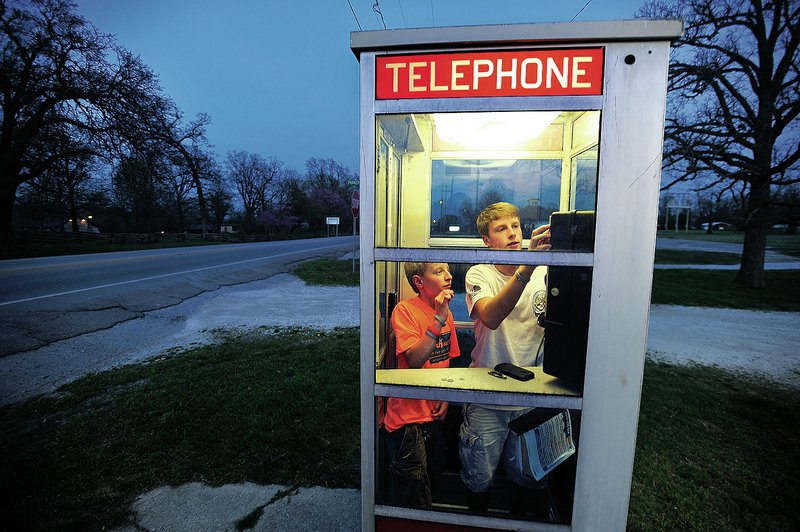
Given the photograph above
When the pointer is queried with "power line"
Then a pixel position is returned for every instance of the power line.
(433, 17)
(354, 15)
(376, 7)
(400, 5)
(581, 10)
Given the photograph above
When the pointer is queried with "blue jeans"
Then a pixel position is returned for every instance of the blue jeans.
(483, 439)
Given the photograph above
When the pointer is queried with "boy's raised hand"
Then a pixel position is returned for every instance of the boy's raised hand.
(540, 238)
(442, 302)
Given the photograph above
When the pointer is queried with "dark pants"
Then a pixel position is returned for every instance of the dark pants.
(416, 461)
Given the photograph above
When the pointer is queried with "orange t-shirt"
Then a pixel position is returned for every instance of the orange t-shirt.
(410, 319)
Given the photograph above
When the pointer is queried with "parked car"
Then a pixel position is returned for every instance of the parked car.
(717, 226)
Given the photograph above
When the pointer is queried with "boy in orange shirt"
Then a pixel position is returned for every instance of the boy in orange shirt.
(425, 336)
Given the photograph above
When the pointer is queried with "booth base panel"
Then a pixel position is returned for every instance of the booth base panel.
(451, 496)
(395, 524)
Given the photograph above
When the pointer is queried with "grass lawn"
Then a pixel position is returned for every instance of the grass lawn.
(709, 288)
(716, 288)
(56, 248)
(696, 234)
(714, 451)
(678, 256)
(329, 272)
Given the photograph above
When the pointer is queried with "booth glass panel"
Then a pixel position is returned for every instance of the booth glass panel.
(436, 171)
(420, 465)
(561, 307)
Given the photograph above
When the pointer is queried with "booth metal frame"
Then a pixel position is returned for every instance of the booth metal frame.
(632, 105)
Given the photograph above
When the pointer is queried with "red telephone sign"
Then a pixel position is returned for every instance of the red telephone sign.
(541, 72)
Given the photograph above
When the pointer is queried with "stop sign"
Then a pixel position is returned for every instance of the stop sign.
(354, 203)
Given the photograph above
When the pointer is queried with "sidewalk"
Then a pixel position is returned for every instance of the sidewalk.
(793, 265)
(773, 259)
(709, 245)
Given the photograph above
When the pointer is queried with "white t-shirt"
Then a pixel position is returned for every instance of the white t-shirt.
(518, 339)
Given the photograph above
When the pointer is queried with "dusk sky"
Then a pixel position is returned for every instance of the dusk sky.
(278, 78)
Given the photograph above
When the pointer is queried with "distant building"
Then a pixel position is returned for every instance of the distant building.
(84, 226)
(717, 226)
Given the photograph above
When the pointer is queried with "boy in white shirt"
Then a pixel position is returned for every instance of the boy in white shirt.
(504, 302)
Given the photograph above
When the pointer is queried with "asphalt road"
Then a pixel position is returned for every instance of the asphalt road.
(49, 299)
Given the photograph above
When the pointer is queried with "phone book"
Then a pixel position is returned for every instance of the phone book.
(544, 441)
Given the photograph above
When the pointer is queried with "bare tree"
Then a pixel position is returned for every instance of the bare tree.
(58, 73)
(72, 174)
(327, 174)
(787, 211)
(292, 195)
(256, 180)
(61, 191)
(327, 187)
(181, 183)
(189, 143)
(219, 196)
(733, 105)
(141, 189)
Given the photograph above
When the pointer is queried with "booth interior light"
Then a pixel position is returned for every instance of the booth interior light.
(494, 130)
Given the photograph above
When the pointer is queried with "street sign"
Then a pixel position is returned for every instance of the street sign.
(355, 202)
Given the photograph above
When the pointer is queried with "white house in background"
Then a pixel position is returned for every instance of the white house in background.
(84, 226)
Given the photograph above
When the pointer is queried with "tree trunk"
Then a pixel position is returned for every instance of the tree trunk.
(198, 185)
(8, 193)
(201, 202)
(73, 208)
(751, 271)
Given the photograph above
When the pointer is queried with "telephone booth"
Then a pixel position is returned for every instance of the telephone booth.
(565, 122)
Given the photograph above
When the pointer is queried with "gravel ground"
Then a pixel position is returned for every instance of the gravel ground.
(761, 343)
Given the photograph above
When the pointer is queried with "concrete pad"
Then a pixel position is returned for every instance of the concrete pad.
(312, 510)
(196, 507)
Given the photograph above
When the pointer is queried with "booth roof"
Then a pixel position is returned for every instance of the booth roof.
(554, 32)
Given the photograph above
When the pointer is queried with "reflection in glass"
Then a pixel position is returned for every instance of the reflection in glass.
(462, 188)
(584, 177)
